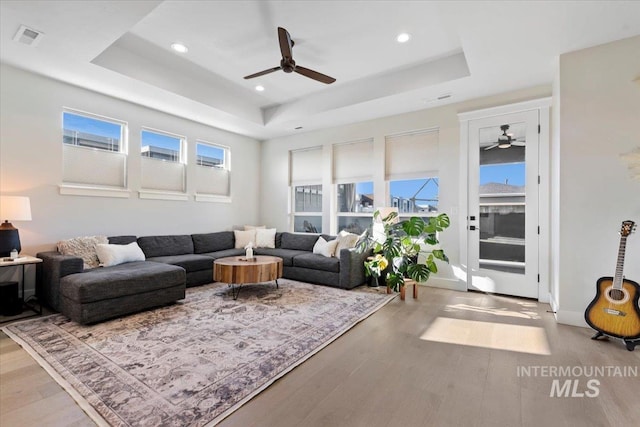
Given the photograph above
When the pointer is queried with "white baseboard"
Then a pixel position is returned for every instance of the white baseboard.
(573, 318)
(444, 283)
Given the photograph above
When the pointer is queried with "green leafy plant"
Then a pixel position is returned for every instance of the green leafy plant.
(402, 243)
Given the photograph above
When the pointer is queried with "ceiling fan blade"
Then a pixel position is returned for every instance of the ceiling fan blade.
(285, 43)
(490, 147)
(314, 75)
(518, 143)
(262, 73)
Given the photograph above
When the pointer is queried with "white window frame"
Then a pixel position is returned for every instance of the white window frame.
(74, 188)
(226, 166)
(163, 193)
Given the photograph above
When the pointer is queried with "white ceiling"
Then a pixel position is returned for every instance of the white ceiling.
(466, 49)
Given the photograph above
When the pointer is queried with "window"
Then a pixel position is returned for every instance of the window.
(305, 178)
(307, 202)
(212, 172)
(163, 163)
(352, 176)
(414, 197)
(94, 152)
(355, 206)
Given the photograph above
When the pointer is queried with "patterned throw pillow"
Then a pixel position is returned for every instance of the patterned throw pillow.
(83, 247)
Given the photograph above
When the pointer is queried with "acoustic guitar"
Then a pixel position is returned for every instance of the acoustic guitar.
(614, 311)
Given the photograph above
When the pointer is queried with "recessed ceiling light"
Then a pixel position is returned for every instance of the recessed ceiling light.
(260, 88)
(179, 47)
(403, 37)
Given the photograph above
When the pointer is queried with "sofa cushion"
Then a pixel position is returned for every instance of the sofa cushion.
(212, 242)
(317, 262)
(155, 246)
(287, 255)
(125, 279)
(190, 262)
(299, 241)
(225, 253)
(122, 240)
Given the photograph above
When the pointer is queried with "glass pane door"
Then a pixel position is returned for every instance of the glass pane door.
(503, 204)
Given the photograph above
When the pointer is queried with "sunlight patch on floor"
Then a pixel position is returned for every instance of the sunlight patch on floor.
(498, 336)
(496, 311)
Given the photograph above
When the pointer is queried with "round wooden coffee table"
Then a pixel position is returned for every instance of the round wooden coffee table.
(237, 271)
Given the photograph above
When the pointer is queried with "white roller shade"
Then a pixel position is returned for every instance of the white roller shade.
(412, 155)
(353, 161)
(214, 181)
(306, 166)
(93, 167)
(162, 175)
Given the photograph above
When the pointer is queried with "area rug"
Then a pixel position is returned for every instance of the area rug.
(194, 362)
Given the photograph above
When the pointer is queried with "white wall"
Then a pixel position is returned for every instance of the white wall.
(31, 165)
(274, 177)
(599, 119)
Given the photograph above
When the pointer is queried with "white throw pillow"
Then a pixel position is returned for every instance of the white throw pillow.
(83, 247)
(244, 237)
(325, 248)
(346, 240)
(266, 237)
(254, 227)
(119, 254)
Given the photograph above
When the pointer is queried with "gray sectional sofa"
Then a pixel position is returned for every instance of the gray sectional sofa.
(174, 263)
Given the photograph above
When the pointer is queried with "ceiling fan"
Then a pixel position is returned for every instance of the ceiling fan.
(506, 140)
(288, 65)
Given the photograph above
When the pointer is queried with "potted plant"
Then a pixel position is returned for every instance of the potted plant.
(401, 243)
(374, 266)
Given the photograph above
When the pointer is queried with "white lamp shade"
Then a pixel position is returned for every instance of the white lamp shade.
(15, 208)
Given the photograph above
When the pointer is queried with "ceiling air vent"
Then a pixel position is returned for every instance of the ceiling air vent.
(444, 96)
(28, 36)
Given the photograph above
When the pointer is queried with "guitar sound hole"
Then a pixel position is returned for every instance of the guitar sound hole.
(616, 294)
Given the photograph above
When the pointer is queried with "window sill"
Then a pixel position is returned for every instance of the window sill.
(212, 198)
(162, 195)
(82, 190)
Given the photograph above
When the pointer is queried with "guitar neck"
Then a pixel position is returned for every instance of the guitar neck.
(617, 279)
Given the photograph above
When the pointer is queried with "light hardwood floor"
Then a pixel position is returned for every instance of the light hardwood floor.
(399, 367)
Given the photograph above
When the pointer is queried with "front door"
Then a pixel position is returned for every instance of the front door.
(503, 204)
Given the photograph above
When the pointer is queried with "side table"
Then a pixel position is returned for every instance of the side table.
(23, 261)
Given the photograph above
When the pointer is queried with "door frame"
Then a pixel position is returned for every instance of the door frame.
(543, 106)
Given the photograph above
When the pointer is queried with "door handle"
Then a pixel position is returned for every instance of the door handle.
(473, 227)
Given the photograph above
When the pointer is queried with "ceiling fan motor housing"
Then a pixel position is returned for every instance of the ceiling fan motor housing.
(288, 65)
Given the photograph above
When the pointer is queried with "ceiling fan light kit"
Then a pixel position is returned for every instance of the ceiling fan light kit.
(288, 65)
(505, 140)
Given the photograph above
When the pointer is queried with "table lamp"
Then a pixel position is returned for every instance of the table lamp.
(12, 208)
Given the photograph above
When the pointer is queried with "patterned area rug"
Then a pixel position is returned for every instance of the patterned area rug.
(195, 362)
